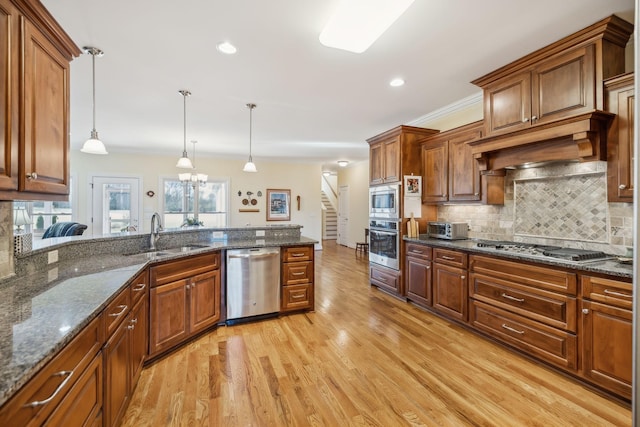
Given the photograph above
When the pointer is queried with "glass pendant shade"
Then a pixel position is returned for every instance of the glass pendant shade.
(250, 166)
(184, 162)
(93, 145)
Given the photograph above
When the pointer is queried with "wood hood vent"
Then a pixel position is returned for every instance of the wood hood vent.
(582, 138)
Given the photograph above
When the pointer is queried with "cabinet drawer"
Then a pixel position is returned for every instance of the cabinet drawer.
(418, 251)
(552, 279)
(557, 310)
(297, 253)
(41, 395)
(172, 271)
(387, 279)
(297, 273)
(452, 258)
(116, 311)
(612, 292)
(296, 297)
(139, 287)
(535, 338)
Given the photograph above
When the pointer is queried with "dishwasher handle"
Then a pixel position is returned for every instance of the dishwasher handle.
(252, 255)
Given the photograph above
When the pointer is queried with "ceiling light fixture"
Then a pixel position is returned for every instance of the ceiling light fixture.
(397, 82)
(184, 162)
(193, 177)
(357, 24)
(93, 145)
(250, 166)
(226, 48)
(343, 163)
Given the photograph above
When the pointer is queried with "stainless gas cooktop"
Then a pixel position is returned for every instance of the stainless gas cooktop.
(568, 254)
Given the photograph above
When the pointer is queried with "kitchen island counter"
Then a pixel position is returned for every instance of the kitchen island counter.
(44, 306)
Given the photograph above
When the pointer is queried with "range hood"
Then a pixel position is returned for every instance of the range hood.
(582, 138)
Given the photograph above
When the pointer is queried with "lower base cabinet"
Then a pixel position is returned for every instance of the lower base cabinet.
(450, 293)
(418, 274)
(297, 278)
(385, 278)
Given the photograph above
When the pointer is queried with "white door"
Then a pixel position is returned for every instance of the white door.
(115, 204)
(343, 215)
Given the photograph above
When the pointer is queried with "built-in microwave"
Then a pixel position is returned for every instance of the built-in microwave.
(384, 201)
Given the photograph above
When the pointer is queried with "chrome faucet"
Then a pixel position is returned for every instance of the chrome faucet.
(156, 228)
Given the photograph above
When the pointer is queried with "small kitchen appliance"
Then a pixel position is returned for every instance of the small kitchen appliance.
(448, 230)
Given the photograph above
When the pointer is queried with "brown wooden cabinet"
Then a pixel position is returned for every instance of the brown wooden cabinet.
(619, 98)
(418, 274)
(529, 307)
(607, 333)
(450, 283)
(297, 272)
(386, 278)
(34, 79)
(126, 346)
(71, 379)
(395, 153)
(184, 300)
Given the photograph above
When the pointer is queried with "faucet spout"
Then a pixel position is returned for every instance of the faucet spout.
(156, 228)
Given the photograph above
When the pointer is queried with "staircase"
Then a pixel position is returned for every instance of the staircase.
(330, 219)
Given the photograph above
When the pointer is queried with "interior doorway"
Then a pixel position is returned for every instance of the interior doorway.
(115, 204)
(343, 215)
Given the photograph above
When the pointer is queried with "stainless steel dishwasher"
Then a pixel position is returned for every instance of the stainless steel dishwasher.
(253, 282)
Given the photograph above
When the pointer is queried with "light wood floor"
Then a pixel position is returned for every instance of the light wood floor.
(362, 358)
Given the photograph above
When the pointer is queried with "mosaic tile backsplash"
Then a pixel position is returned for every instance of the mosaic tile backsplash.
(563, 204)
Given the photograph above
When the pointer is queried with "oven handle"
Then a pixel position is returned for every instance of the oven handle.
(390, 233)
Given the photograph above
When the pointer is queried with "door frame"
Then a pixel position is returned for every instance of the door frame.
(343, 211)
(90, 199)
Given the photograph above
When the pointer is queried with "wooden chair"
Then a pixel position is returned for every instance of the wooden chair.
(363, 246)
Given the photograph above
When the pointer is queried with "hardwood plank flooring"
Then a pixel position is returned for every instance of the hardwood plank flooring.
(363, 358)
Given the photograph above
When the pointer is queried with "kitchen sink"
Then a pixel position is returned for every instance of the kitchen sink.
(150, 254)
(187, 248)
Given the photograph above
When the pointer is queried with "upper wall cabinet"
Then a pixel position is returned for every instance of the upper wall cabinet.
(395, 153)
(620, 96)
(552, 99)
(35, 54)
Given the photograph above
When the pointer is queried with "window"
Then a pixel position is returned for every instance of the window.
(188, 202)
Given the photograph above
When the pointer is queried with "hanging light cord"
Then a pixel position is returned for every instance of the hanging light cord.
(185, 93)
(251, 107)
(93, 61)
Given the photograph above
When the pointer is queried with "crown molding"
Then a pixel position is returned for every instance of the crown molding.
(449, 109)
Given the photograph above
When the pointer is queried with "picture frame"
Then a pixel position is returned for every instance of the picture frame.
(278, 205)
(412, 186)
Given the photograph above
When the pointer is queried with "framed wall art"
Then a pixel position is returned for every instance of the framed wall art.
(412, 186)
(278, 205)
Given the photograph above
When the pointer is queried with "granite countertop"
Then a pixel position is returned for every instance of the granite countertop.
(608, 266)
(43, 311)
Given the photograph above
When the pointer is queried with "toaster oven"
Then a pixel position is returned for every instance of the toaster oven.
(447, 230)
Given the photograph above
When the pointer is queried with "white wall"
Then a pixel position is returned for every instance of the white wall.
(356, 176)
(303, 179)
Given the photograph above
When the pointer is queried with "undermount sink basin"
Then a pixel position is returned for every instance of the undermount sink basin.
(187, 248)
(151, 254)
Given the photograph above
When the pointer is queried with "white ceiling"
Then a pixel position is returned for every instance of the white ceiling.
(314, 103)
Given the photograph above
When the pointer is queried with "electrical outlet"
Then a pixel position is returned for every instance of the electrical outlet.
(260, 242)
(52, 256)
(217, 235)
(259, 233)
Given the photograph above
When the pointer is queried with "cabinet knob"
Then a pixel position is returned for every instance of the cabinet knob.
(585, 311)
(622, 186)
(534, 118)
(463, 277)
(525, 120)
(32, 175)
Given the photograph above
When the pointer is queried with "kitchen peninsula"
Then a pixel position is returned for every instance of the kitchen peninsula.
(62, 295)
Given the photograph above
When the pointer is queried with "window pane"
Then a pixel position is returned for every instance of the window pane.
(173, 196)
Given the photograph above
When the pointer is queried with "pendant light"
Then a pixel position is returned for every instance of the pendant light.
(93, 145)
(250, 166)
(184, 162)
(193, 177)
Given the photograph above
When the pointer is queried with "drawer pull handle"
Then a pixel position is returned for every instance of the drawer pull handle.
(122, 308)
(297, 254)
(448, 258)
(415, 251)
(37, 403)
(139, 287)
(617, 294)
(509, 297)
(297, 296)
(509, 328)
(298, 274)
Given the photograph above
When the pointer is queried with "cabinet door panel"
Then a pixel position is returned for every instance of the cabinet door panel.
(464, 175)
(168, 315)
(561, 86)
(204, 306)
(418, 276)
(9, 95)
(507, 105)
(392, 160)
(435, 164)
(376, 161)
(450, 291)
(117, 387)
(46, 116)
(607, 346)
(139, 338)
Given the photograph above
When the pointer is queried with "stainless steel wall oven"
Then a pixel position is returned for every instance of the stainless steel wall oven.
(384, 242)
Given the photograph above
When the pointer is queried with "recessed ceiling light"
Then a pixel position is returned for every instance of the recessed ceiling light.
(357, 24)
(396, 82)
(226, 47)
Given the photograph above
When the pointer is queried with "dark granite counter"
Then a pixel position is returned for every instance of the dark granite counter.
(45, 306)
(609, 267)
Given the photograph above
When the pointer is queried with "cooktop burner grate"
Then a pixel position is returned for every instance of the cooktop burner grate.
(575, 254)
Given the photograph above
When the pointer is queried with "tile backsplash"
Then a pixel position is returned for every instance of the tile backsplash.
(562, 204)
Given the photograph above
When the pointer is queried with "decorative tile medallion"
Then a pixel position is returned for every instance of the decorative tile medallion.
(565, 207)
